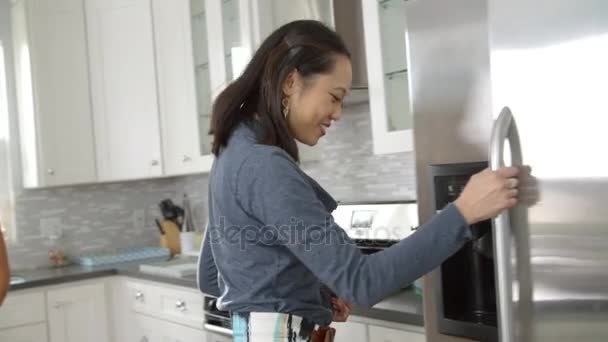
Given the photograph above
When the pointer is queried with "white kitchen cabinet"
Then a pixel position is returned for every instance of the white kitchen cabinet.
(144, 329)
(383, 334)
(23, 317)
(124, 89)
(385, 32)
(78, 313)
(350, 332)
(178, 305)
(150, 329)
(215, 337)
(175, 66)
(52, 80)
(151, 311)
(27, 333)
(23, 308)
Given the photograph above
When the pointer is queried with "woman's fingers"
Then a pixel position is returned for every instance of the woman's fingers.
(509, 172)
(511, 183)
(489, 192)
(341, 309)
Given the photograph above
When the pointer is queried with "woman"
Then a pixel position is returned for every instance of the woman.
(4, 269)
(272, 253)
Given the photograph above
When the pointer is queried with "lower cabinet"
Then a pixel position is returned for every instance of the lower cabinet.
(73, 312)
(213, 337)
(147, 311)
(350, 332)
(382, 334)
(28, 333)
(118, 309)
(78, 313)
(148, 329)
(361, 329)
(24, 308)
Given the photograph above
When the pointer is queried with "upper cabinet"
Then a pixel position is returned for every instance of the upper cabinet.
(54, 104)
(388, 79)
(124, 89)
(182, 66)
(112, 90)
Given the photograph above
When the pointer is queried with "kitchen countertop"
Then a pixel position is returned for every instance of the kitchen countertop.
(403, 307)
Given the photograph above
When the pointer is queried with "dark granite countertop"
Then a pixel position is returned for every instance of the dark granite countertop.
(402, 307)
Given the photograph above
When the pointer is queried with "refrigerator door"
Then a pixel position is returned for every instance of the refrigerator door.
(548, 62)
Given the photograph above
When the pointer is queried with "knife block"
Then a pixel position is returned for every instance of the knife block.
(171, 238)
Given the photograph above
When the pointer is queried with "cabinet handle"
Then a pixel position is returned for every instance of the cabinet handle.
(139, 296)
(154, 163)
(57, 306)
(51, 172)
(186, 159)
(180, 305)
(143, 339)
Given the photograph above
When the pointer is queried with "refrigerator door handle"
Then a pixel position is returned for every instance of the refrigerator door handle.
(504, 129)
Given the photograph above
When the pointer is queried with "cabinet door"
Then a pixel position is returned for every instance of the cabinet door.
(350, 332)
(382, 334)
(215, 337)
(181, 135)
(155, 330)
(53, 92)
(145, 329)
(388, 75)
(123, 86)
(22, 309)
(78, 314)
(28, 333)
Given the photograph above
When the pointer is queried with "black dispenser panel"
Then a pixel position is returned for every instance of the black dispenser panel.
(466, 292)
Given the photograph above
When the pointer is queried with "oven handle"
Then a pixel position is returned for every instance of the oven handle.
(219, 330)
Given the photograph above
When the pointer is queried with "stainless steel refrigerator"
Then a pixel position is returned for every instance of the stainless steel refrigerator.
(521, 82)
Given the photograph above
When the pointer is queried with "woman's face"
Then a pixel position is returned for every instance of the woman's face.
(314, 103)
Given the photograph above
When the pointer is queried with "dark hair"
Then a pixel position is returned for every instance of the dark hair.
(307, 46)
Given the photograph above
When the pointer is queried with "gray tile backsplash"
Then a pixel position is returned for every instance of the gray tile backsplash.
(99, 217)
(349, 170)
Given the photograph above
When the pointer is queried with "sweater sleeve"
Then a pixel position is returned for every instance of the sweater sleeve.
(272, 189)
(207, 271)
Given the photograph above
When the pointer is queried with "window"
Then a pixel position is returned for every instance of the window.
(7, 220)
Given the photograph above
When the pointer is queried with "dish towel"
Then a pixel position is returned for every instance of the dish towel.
(275, 327)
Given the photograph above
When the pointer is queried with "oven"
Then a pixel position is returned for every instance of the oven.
(216, 321)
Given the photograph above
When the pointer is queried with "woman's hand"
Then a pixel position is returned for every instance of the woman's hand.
(341, 309)
(488, 193)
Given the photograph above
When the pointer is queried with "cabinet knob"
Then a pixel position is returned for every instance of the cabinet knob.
(143, 339)
(186, 159)
(57, 306)
(180, 305)
(154, 163)
(139, 296)
(51, 172)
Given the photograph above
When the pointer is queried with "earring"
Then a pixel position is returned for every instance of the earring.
(285, 104)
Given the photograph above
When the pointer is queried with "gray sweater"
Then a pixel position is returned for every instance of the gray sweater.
(271, 243)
